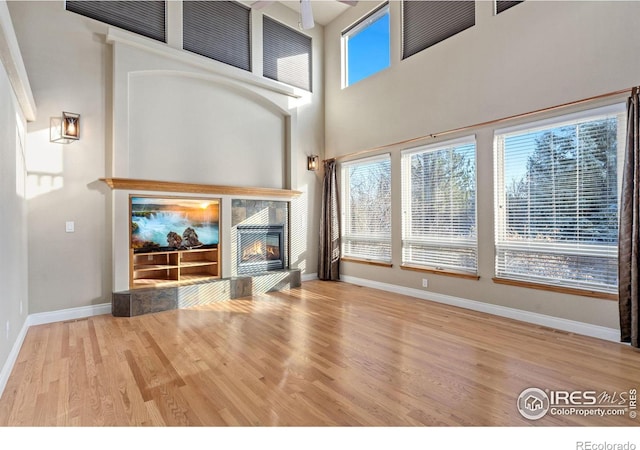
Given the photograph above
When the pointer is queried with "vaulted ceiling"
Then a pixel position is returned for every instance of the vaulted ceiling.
(324, 11)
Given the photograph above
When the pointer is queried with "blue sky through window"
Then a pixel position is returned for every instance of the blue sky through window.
(368, 50)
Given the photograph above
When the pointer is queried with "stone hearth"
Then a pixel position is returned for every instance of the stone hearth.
(136, 302)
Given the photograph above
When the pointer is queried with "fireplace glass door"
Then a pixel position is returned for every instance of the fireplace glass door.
(260, 248)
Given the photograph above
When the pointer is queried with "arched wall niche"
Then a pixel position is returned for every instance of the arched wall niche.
(193, 128)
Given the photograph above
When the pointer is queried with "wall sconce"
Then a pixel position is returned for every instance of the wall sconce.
(65, 129)
(313, 162)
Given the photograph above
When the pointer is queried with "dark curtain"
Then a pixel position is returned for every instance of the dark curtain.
(630, 228)
(329, 258)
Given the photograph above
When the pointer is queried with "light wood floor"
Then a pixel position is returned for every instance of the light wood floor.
(326, 354)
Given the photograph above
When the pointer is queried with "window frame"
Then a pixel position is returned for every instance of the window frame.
(569, 249)
(408, 236)
(346, 220)
(360, 25)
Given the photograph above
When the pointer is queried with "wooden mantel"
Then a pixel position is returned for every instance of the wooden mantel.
(169, 186)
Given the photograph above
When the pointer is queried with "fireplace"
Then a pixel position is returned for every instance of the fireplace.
(260, 248)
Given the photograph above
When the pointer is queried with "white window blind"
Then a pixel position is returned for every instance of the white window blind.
(557, 200)
(366, 208)
(439, 206)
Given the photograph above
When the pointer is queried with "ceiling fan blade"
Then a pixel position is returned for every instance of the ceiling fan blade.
(349, 2)
(306, 15)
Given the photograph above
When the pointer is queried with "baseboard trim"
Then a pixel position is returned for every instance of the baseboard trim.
(68, 314)
(572, 326)
(13, 356)
(309, 277)
(41, 319)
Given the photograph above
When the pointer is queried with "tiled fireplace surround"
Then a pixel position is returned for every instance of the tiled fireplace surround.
(257, 212)
(243, 212)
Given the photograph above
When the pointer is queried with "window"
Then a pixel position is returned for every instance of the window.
(504, 5)
(142, 17)
(219, 30)
(287, 54)
(557, 200)
(439, 206)
(366, 209)
(366, 47)
(425, 23)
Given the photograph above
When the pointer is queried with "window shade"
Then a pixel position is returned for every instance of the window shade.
(425, 23)
(287, 54)
(557, 200)
(146, 18)
(366, 209)
(439, 206)
(219, 30)
(504, 5)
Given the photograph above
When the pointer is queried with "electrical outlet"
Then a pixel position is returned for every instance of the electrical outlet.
(69, 227)
(425, 283)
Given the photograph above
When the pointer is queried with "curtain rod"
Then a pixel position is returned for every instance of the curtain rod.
(481, 124)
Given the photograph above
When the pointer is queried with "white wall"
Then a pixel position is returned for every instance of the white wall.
(13, 221)
(68, 67)
(13, 209)
(179, 131)
(532, 56)
(71, 66)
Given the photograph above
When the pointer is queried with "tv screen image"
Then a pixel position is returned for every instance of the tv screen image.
(173, 223)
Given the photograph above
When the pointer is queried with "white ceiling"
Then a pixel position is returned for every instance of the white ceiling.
(324, 11)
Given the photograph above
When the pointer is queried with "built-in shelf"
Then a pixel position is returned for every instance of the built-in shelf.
(173, 267)
(193, 188)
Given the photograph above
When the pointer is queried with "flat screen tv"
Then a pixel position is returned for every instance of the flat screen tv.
(173, 223)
